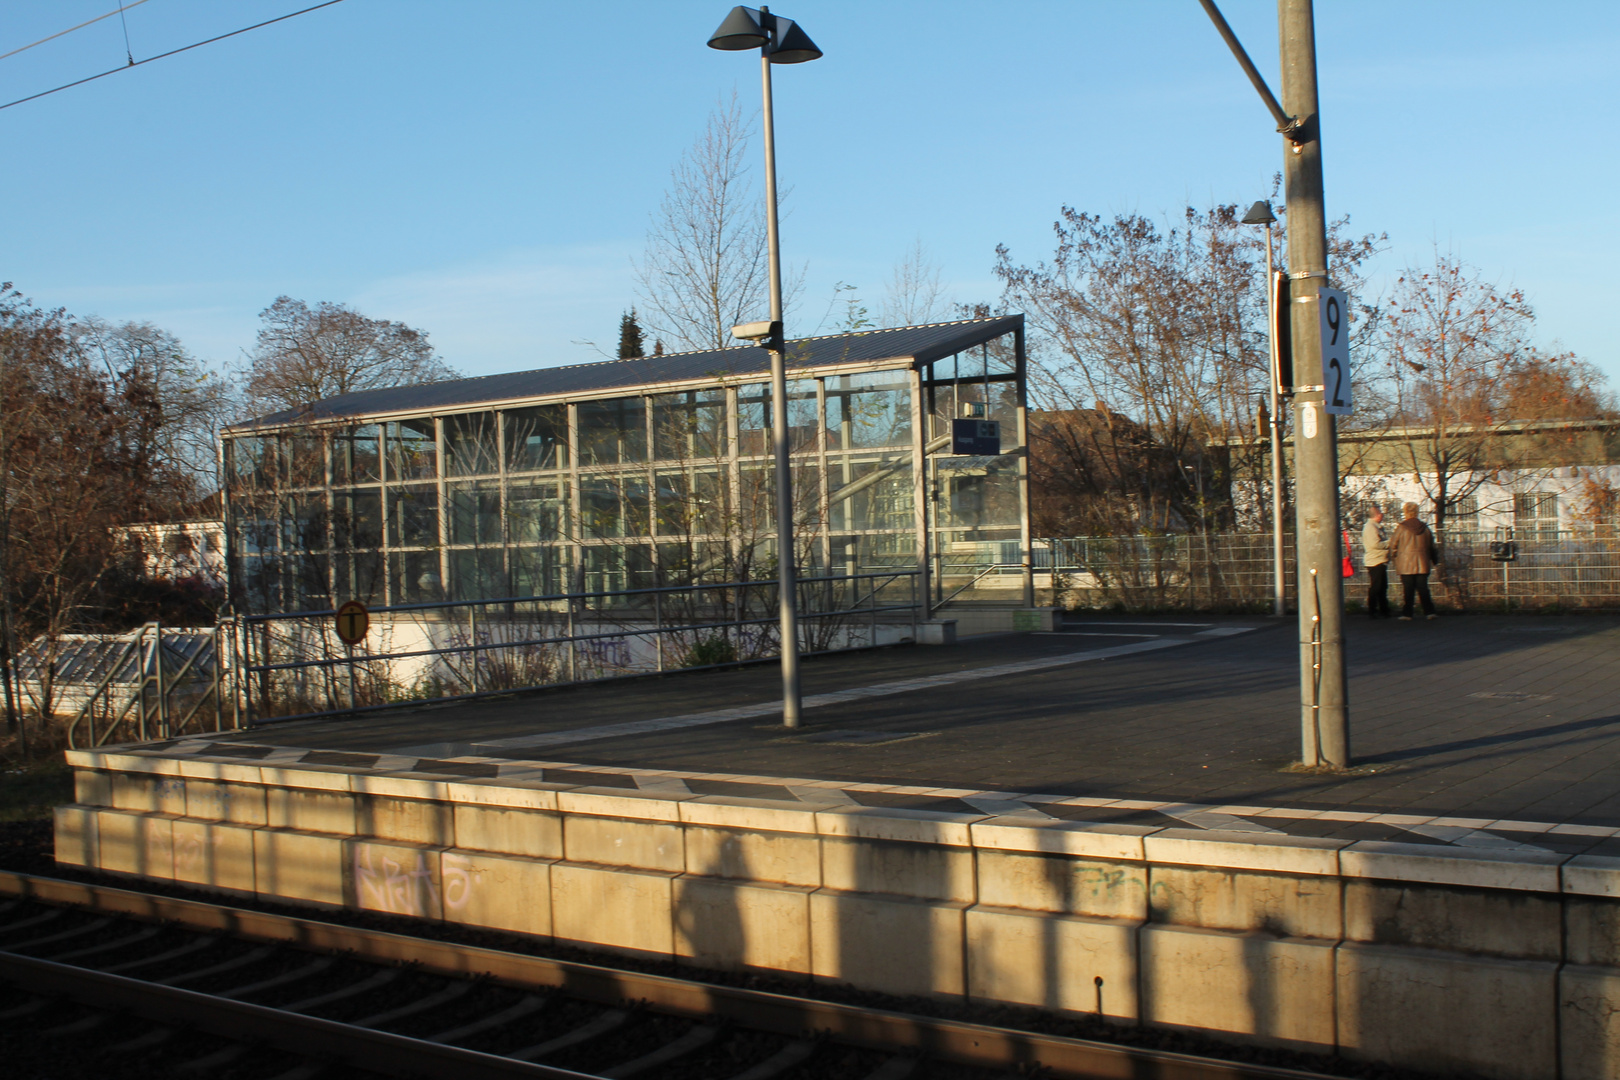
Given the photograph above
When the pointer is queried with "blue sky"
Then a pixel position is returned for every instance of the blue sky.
(485, 169)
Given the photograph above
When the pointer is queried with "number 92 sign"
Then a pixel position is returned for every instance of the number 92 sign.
(1334, 309)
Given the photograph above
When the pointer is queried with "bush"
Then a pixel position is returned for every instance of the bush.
(716, 649)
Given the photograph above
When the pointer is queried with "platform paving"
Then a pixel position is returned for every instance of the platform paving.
(1474, 731)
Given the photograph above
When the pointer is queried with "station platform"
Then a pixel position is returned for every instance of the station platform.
(1505, 724)
(1103, 820)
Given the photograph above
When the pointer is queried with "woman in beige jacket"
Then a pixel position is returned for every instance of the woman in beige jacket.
(1413, 554)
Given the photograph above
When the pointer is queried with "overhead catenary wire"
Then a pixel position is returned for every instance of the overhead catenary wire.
(171, 52)
(90, 22)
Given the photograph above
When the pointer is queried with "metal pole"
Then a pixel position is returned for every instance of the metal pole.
(787, 591)
(354, 695)
(162, 683)
(1316, 469)
(1279, 600)
(472, 644)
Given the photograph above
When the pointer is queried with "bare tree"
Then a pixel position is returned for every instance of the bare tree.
(78, 443)
(1462, 369)
(305, 354)
(1151, 344)
(193, 401)
(914, 295)
(705, 265)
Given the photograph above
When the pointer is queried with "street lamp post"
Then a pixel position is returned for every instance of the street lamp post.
(1260, 214)
(779, 41)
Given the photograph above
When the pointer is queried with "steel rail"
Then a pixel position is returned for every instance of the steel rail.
(876, 1029)
(307, 1036)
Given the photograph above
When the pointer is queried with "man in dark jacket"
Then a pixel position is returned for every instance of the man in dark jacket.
(1412, 553)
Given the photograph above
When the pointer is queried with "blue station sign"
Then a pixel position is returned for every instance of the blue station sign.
(978, 438)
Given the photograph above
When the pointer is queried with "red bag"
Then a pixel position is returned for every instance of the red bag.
(1348, 567)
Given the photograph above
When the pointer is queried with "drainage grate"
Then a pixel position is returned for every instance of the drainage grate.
(474, 769)
(339, 758)
(238, 750)
(589, 779)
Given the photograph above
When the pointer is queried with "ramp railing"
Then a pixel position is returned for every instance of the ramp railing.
(293, 665)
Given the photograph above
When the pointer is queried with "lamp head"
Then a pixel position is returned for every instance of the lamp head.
(756, 331)
(1259, 214)
(782, 39)
(793, 45)
(740, 30)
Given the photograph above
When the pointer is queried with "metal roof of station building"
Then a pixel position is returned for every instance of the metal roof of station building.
(913, 345)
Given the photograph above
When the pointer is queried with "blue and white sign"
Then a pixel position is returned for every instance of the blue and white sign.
(980, 438)
(1334, 308)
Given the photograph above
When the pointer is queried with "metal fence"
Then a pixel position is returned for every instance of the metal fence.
(1223, 571)
(294, 666)
(1552, 570)
(1186, 571)
(151, 683)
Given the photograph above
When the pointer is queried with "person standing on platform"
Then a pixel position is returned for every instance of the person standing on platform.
(1412, 551)
(1375, 557)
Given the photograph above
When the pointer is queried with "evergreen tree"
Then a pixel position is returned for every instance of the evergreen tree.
(630, 346)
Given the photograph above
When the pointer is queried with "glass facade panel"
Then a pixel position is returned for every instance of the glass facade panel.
(613, 432)
(414, 578)
(614, 567)
(307, 517)
(539, 571)
(978, 498)
(257, 524)
(413, 516)
(357, 518)
(470, 445)
(536, 438)
(868, 410)
(871, 494)
(311, 581)
(537, 513)
(412, 450)
(478, 574)
(475, 512)
(756, 500)
(252, 461)
(689, 426)
(802, 408)
(754, 419)
(355, 455)
(306, 460)
(613, 506)
(368, 577)
(260, 582)
(692, 502)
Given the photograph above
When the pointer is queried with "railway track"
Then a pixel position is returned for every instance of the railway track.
(144, 984)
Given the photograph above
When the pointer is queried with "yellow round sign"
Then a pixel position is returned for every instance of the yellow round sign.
(353, 621)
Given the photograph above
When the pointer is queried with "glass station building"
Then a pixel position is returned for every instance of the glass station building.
(628, 474)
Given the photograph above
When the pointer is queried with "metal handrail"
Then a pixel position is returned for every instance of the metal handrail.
(986, 572)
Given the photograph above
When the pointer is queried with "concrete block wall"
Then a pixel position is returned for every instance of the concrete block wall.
(1498, 963)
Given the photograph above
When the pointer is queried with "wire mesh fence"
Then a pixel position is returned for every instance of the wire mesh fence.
(1219, 571)
(1234, 571)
